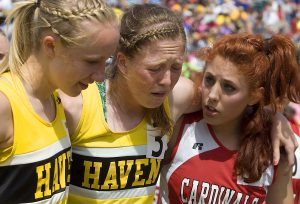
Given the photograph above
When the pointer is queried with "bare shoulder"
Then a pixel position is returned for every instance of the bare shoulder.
(184, 87)
(184, 98)
(6, 122)
(73, 109)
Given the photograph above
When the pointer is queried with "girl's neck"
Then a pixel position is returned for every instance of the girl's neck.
(35, 80)
(229, 135)
(122, 113)
(38, 89)
(119, 96)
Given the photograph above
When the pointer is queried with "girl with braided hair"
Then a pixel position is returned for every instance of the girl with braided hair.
(120, 127)
(223, 154)
(55, 44)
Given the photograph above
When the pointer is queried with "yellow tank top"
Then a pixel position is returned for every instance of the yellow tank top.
(110, 167)
(36, 169)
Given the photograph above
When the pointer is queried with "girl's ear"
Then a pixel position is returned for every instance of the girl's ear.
(48, 45)
(122, 62)
(257, 96)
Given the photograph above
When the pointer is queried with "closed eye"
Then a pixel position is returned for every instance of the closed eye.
(92, 62)
(154, 69)
(177, 68)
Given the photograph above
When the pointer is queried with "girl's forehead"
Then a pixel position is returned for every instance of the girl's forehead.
(225, 69)
(161, 51)
(168, 45)
(94, 30)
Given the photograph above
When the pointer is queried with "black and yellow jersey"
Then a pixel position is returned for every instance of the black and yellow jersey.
(113, 167)
(36, 168)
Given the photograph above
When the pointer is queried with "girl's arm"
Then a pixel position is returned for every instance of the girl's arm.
(173, 140)
(184, 98)
(6, 123)
(281, 191)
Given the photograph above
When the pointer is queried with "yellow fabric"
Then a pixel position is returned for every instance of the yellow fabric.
(92, 125)
(64, 201)
(94, 133)
(31, 135)
(5, 153)
(140, 200)
(33, 124)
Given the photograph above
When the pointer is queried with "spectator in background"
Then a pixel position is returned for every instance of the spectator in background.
(217, 18)
(5, 5)
(4, 45)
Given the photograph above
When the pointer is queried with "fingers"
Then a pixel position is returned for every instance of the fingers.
(284, 150)
(276, 151)
(289, 145)
(283, 136)
(290, 154)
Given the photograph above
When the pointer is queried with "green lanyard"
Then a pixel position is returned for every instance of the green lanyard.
(102, 92)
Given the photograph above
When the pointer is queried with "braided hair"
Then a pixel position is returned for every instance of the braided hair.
(62, 17)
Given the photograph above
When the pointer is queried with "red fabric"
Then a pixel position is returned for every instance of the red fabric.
(295, 126)
(209, 173)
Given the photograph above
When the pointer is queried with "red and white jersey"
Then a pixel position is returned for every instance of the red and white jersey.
(201, 170)
(296, 172)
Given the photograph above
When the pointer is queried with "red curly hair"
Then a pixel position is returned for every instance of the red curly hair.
(268, 63)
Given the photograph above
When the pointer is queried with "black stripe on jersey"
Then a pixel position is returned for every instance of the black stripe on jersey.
(21, 183)
(117, 173)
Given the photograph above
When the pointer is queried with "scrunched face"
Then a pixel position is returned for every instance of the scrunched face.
(153, 72)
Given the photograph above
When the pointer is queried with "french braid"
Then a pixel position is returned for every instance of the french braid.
(140, 25)
(150, 34)
(31, 18)
(91, 8)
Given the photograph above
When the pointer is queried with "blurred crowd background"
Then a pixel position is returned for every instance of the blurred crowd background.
(207, 20)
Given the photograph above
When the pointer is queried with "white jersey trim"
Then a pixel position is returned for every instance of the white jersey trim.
(265, 180)
(127, 193)
(40, 154)
(296, 166)
(111, 152)
(55, 198)
(199, 131)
